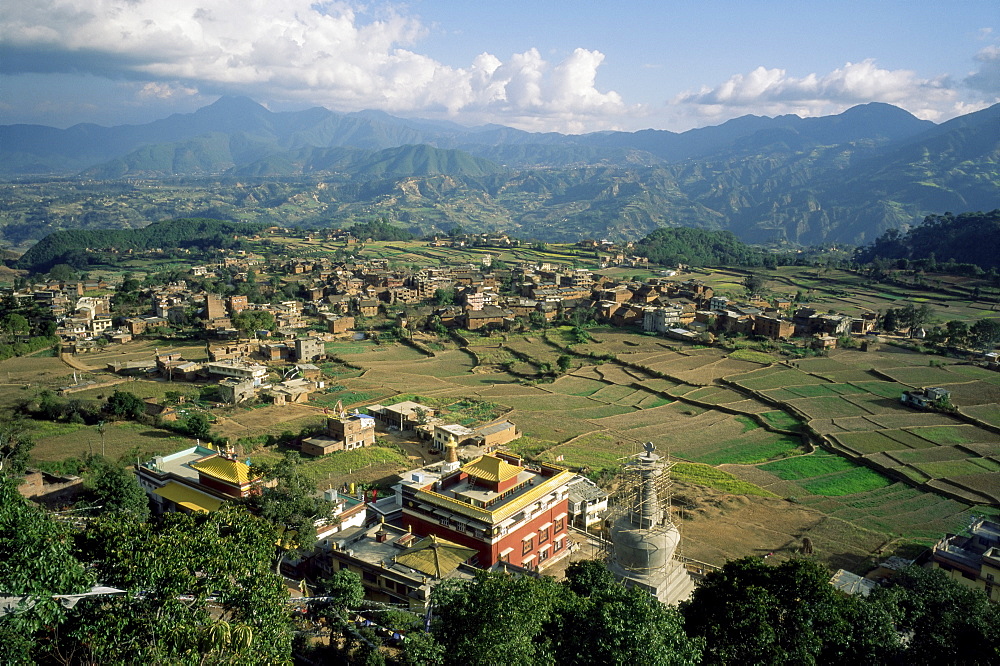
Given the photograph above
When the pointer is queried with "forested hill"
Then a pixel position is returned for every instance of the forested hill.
(967, 238)
(683, 245)
(74, 246)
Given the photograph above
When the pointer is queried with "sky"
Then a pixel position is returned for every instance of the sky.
(571, 67)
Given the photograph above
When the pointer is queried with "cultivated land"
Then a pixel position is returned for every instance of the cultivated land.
(772, 449)
(769, 454)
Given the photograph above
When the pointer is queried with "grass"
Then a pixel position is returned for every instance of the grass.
(751, 453)
(782, 420)
(705, 475)
(751, 355)
(858, 480)
(343, 463)
(809, 466)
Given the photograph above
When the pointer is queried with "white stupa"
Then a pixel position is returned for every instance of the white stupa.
(643, 535)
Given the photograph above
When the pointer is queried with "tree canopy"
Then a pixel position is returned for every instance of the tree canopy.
(684, 245)
(967, 238)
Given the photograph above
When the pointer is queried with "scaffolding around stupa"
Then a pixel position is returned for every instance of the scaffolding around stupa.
(644, 538)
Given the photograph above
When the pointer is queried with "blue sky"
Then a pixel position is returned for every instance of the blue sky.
(545, 66)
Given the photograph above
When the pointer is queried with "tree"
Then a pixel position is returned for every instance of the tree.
(15, 324)
(754, 284)
(37, 561)
(197, 425)
(986, 334)
(945, 622)
(117, 489)
(248, 321)
(752, 612)
(170, 569)
(563, 362)
(342, 591)
(589, 627)
(890, 321)
(293, 505)
(15, 446)
(62, 272)
(444, 296)
(957, 332)
(124, 405)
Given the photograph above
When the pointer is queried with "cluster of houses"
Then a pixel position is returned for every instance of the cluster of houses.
(476, 508)
(333, 295)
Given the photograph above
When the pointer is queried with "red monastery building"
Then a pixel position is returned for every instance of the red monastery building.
(506, 510)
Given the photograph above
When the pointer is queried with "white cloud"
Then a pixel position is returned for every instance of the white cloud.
(300, 50)
(987, 79)
(774, 91)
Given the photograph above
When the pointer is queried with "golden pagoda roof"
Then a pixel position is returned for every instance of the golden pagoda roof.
(188, 497)
(435, 556)
(491, 468)
(224, 469)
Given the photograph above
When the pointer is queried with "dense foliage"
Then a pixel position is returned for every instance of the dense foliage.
(380, 230)
(76, 247)
(683, 245)
(197, 589)
(942, 242)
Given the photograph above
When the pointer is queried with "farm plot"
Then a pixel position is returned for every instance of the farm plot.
(747, 406)
(817, 390)
(911, 418)
(924, 376)
(120, 439)
(714, 395)
(579, 386)
(780, 379)
(868, 442)
(597, 451)
(974, 393)
(615, 374)
(754, 447)
(954, 434)
(848, 376)
(613, 393)
(985, 413)
(821, 365)
(542, 426)
(829, 407)
(882, 388)
(987, 484)
(712, 371)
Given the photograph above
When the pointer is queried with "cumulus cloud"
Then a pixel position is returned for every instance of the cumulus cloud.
(986, 79)
(774, 91)
(327, 53)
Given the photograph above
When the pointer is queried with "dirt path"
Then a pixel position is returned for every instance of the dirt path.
(69, 360)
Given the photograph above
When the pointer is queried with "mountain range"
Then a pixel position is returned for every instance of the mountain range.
(834, 179)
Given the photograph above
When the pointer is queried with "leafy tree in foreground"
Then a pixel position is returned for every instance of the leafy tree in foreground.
(603, 622)
(116, 489)
(946, 623)
(750, 612)
(199, 589)
(36, 560)
(293, 505)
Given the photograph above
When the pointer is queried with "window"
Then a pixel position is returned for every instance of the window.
(989, 577)
(527, 546)
(370, 576)
(560, 524)
(543, 555)
(557, 545)
(543, 534)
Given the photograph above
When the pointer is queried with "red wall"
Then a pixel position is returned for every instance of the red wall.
(490, 553)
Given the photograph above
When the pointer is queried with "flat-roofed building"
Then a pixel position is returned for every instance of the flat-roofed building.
(506, 510)
(233, 368)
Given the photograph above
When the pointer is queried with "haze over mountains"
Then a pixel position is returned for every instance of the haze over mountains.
(844, 178)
